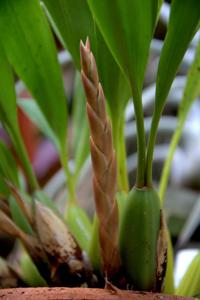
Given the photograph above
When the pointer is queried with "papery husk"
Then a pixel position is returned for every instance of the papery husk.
(52, 248)
(58, 256)
(9, 278)
(69, 266)
(161, 254)
(31, 243)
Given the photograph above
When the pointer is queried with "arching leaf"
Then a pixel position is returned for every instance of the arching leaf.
(8, 115)
(30, 48)
(184, 18)
(74, 22)
(127, 27)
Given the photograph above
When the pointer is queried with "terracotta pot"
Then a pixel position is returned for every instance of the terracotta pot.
(80, 294)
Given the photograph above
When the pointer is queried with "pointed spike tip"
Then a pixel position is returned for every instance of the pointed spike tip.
(81, 44)
(87, 43)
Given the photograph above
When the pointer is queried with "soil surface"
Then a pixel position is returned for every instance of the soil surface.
(79, 294)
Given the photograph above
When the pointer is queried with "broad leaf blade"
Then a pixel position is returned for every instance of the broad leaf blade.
(8, 112)
(127, 27)
(8, 115)
(30, 48)
(4, 191)
(184, 18)
(74, 22)
(8, 166)
(115, 85)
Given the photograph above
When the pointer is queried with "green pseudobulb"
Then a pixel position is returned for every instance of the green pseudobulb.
(139, 234)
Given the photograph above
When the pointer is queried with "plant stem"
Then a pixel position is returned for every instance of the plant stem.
(120, 148)
(69, 177)
(141, 142)
(150, 148)
(123, 165)
(168, 162)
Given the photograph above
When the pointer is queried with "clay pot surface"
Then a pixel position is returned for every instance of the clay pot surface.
(80, 294)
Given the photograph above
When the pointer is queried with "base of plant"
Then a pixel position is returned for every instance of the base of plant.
(81, 293)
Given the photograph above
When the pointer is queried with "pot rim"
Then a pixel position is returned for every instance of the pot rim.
(62, 293)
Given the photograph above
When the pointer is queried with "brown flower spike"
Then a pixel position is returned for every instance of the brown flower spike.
(103, 162)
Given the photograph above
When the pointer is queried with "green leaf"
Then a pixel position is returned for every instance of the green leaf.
(30, 272)
(8, 166)
(160, 2)
(80, 143)
(31, 108)
(191, 91)
(82, 151)
(115, 85)
(8, 169)
(74, 22)
(183, 22)
(184, 18)
(94, 247)
(190, 283)
(18, 216)
(30, 48)
(8, 115)
(4, 190)
(79, 225)
(127, 27)
(78, 111)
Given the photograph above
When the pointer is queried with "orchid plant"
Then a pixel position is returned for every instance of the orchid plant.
(127, 244)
